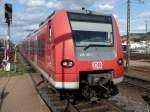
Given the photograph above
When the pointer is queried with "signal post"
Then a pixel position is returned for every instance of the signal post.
(8, 21)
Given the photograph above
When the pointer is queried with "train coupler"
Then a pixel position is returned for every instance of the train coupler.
(109, 89)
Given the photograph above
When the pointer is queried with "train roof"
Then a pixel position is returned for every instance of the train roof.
(75, 11)
(83, 11)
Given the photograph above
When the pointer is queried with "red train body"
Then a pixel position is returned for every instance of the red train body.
(76, 50)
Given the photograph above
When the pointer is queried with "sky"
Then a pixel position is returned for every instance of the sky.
(27, 14)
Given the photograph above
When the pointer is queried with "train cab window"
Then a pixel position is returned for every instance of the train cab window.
(93, 33)
(88, 29)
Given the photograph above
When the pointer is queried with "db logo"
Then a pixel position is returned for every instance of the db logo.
(97, 65)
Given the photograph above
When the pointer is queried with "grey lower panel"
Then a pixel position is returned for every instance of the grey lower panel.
(95, 53)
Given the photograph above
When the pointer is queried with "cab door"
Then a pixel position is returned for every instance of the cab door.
(50, 53)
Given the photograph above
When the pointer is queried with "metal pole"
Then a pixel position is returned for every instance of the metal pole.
(128, 36)
(146, 36)
(7, 40)
(146, 26)
(7, 48)
(6, 58)
(15, 59)
(8, 30)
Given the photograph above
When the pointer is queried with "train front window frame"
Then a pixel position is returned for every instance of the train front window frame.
(99, 27)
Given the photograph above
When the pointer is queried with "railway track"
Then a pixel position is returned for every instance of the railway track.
(53, 101)
(138, 83)
(142, 84)
(52, 98)
(141, 69)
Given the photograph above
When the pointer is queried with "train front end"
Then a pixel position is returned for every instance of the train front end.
(90, 57)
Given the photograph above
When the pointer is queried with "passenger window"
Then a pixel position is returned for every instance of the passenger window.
(50, 33)
(41, 47)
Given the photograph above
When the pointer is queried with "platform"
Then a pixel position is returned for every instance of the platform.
(22, 96)
(1, 92)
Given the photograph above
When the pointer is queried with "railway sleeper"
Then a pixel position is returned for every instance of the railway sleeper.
(85, 105)
(57, 107)
(52, 99)
(99, 108)
(60, 102)
(55, 104)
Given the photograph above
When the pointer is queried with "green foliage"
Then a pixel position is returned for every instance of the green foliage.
(20, 70)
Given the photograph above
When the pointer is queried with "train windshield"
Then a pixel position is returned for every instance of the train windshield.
(91, 30)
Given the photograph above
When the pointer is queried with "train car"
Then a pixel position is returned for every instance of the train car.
(78, 52)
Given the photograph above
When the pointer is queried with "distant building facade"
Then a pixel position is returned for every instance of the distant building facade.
(132, 37)
(3, 39)
(137, 42)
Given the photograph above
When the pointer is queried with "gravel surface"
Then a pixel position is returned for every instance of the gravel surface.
(131, 98)
(139, 63)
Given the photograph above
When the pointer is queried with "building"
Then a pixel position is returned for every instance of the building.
(138, 41)
(133, 36)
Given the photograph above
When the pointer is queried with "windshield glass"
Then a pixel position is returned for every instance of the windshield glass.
(85, 33)
(93, 35)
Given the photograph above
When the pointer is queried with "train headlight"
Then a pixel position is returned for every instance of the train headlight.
(67, 63)
(120, 61)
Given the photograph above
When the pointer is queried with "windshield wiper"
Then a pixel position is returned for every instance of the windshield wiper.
(95, 45)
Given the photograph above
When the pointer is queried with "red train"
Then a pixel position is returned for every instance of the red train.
(77, 52)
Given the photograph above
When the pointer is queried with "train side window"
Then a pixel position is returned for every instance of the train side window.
(50, 34)
(41, 47)
(37, 50)
(29, 48)
(38, 47)
(35, 46)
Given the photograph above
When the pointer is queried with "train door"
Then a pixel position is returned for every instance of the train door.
(50, 57)
(49, 49)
